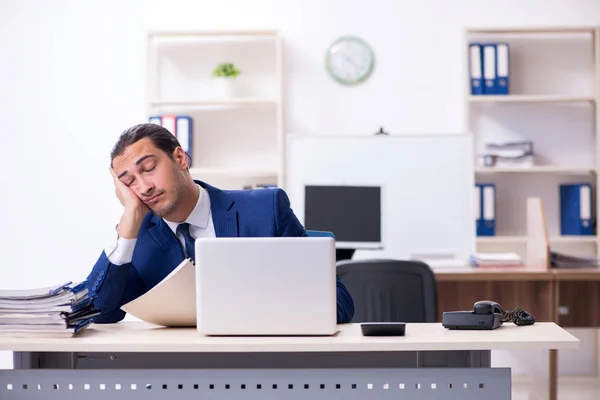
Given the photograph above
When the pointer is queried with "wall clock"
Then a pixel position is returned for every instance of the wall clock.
(350, 60)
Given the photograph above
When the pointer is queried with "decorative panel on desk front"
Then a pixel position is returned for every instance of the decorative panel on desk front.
(251, 384)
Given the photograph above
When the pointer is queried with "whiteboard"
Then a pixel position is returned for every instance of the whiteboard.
(427, 185)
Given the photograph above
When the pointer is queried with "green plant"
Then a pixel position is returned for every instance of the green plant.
(226, 70)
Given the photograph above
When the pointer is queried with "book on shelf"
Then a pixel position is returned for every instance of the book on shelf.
(61, 310)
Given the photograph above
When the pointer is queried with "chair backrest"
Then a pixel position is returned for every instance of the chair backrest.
(312, 233)
(390, 290)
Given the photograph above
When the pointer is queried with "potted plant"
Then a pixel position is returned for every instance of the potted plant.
(225, 74)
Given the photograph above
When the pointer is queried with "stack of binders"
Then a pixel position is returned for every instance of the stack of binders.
(63, 310)
(180, 126)
(489, 68)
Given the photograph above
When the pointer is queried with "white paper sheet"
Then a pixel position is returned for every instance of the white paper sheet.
(170, 303)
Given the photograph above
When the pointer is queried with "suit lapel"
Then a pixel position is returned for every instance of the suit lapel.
(225, 223)
(166, 239)
(223, 213)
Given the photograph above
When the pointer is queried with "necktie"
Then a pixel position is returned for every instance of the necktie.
(184, 229)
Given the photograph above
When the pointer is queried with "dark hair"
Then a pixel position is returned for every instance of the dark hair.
(160, 137)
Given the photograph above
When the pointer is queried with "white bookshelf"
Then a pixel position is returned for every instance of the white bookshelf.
(522, 240)
(523, 98)
(241, 102)
(238, 140)
(537, 169)
(553, 101)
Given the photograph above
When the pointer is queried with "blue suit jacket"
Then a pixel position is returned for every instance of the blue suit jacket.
(245, 213)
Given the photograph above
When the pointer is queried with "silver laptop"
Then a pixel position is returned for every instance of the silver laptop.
(266, 286)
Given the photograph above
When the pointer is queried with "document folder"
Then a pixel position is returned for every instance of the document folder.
(488, 210)
(185, 133)
(476, 69)
(489, 68)
(576, 209)
(478, 211)
(502, 68)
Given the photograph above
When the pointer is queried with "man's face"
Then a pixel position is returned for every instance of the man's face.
(153, 176)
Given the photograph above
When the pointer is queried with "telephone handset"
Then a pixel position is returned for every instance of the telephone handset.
(486, 314)
(487, 307)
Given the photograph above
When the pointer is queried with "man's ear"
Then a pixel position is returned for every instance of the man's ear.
(180, 157)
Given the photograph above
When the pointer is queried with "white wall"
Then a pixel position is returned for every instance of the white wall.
(72, 78)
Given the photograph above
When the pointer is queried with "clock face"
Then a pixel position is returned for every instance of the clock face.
(350, 60)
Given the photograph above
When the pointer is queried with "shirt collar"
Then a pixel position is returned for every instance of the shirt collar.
(200, 214)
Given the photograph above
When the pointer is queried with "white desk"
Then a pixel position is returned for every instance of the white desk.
(430, 362)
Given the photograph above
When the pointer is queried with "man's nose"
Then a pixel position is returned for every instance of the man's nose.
(146, 187)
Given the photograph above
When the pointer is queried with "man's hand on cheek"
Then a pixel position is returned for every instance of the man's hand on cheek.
(135, 209)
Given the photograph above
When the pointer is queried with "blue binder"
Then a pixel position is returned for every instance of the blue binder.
(576, 209)
(476, 68)
(478, 210)
(502, 68)
(156, 119)
(185, 133)
(486, 226)
(489, 69)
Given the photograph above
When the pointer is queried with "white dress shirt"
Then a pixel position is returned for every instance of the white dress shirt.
(120, 250)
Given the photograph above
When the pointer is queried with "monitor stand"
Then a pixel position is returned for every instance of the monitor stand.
(344, 254)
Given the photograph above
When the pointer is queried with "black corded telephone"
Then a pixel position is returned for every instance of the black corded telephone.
(485, 315)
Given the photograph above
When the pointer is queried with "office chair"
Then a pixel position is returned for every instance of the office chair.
(313, 233)
(340, 254)
(390, 290)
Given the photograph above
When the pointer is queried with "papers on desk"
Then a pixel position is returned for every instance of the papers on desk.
(62, 310)
(437, 261)
(170, 303)
(496, 260)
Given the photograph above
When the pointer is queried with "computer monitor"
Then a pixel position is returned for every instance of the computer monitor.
(352, 213)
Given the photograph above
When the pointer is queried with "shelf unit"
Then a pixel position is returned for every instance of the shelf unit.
(523, 98)
(554, 101)
(238, 139)
(538, 169)
(523, 239)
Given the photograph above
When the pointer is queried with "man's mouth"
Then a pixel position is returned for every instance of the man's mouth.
(153, 199)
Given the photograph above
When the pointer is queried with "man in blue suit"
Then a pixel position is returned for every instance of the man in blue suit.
(166, 210)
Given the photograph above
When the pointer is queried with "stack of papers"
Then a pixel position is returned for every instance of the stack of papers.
(496, 260)
(437, 261)
(509, 154)
(559, 260)
(62, 310)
